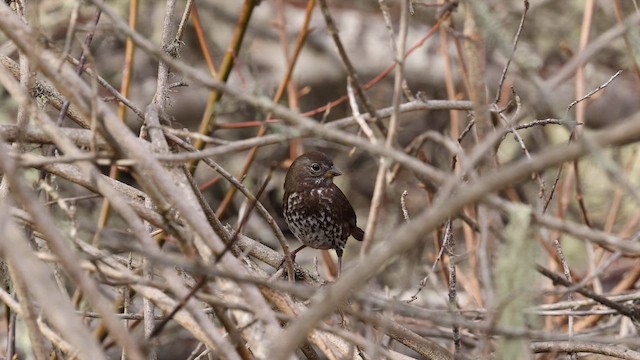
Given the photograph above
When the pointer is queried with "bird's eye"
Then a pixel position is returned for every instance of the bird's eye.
(315, 167)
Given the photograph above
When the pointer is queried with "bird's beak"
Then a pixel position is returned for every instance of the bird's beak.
(332, 173)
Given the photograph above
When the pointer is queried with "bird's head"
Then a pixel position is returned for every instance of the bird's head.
(311, 169)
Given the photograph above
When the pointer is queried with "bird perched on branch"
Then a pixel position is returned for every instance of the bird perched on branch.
(315, 209)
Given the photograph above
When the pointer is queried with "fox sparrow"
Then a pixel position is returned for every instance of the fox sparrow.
(316, 210)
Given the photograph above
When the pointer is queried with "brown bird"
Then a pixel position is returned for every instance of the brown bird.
(315, 209)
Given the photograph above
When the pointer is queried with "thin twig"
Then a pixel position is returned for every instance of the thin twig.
(183, 22)
(567, 275)
(632, 313)
(443, 16)
(453, 284)
(208, 117)
(249, 159)
(357, 115)
(513, 51)
(403, 205)
(446, 237)
(79, 69)
(594, 91)
(391, 133)
(352, 74)
(235, 182)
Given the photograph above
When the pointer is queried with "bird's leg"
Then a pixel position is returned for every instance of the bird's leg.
(339, 253)
(293, 255)
(294, 252)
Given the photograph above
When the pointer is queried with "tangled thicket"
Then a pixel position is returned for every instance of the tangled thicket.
(489, 150)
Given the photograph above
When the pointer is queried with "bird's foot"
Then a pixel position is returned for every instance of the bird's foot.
(297, 272)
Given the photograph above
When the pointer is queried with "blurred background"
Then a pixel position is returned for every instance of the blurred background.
(559, 39)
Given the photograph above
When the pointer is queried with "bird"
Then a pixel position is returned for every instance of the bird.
(317, 212)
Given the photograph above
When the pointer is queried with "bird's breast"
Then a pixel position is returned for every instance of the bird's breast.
(313, 219)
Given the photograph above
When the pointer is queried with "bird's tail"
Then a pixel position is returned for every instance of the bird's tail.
(357, 233)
